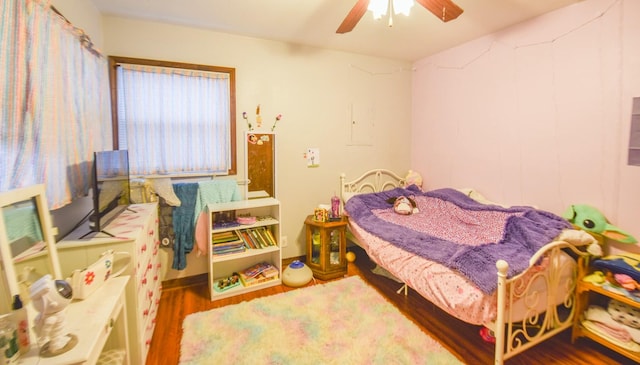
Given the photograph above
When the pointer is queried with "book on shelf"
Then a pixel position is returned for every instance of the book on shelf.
(247, 239)
(263, 236)
(259, 273)
(258, 238)
(225, 237)
(229, 249)
(270, 237)
(228, 242)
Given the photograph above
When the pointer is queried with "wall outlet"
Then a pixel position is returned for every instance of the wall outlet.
(283, 241)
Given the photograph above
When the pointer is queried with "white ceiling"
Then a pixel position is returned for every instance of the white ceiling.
(314, 22)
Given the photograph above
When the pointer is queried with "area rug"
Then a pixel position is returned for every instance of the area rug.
(340, 322)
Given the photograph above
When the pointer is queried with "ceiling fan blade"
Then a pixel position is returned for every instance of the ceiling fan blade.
(353, 17)
(443, 9)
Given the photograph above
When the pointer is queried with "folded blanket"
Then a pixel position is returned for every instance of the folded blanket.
(209, 192)
(597, 329)
(627, 263)
(608, 324)
(216, 191)
(459, 232)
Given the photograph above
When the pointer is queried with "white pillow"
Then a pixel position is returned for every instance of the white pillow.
(473, 194)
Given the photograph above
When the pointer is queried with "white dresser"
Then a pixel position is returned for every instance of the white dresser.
(98, 323)
(135, 231)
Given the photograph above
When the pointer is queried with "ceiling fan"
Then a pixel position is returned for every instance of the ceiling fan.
(443, 9)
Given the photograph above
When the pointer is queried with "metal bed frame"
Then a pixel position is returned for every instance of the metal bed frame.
(512, 336)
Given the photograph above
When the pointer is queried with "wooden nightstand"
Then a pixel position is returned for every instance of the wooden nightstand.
(326, 248)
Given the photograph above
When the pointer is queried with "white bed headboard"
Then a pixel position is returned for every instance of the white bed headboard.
(371, 181)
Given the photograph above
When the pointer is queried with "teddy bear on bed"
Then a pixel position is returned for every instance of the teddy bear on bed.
(403, 205)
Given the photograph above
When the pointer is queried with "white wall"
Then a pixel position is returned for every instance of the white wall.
(84, 15)
(312, 88)
(538, 113)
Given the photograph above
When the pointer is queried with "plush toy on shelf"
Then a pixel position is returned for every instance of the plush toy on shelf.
(592, 220)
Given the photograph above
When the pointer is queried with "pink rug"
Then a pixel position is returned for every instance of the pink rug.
(341, 322)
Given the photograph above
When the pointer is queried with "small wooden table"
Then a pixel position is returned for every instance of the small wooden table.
(326, 247)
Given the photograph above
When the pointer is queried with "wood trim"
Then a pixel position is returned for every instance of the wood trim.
(114, 61)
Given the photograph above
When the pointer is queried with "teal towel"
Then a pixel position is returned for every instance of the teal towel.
(183, 224)
(215, 191)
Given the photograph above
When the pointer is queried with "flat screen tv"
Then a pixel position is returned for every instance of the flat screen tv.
(111, 194)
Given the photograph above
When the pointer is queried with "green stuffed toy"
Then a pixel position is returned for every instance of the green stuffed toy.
(592, 220)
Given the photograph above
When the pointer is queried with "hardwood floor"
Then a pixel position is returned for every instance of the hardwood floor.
(460, 338)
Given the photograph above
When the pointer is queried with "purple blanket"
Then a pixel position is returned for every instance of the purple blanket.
(458, 232)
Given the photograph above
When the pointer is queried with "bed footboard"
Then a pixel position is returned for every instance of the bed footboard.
(549, 309)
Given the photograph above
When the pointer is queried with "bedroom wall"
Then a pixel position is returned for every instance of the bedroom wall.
(82, 14)
(538, 113)
(312, 88)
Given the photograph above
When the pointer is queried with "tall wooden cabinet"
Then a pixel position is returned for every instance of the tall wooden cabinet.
(326, 247)
(223, 218)
(135, 232)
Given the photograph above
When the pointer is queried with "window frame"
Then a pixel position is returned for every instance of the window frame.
(114, 61)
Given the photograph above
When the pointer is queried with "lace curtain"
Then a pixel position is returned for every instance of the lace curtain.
(174, 121)
(55, 102)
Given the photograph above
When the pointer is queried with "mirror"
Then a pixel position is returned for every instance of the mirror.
(25, 232)
(260, 152)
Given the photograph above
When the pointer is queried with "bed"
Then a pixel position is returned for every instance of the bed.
(521, 293)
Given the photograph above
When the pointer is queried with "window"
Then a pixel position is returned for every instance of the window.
(174, 118)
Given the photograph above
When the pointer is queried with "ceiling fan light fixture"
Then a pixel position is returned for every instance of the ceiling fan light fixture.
(378, 8)
(402, 6)
(445, 10)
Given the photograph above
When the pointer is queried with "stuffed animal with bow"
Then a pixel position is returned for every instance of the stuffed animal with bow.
(403, 205)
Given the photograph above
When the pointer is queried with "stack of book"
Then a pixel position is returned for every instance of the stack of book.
(225, 243)
(258, 274)
(259, 237)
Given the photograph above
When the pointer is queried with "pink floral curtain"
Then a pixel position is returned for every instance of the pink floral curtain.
(55, 106)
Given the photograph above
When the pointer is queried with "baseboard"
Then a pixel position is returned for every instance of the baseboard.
(185, 282)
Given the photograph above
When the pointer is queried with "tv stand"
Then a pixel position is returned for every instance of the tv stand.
(104, 220)
(88, 233)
